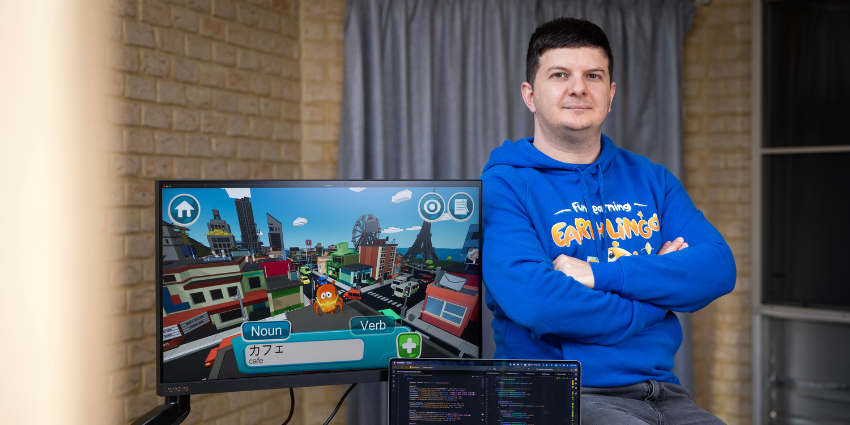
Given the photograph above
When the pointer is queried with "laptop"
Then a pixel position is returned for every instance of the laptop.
(484, 392)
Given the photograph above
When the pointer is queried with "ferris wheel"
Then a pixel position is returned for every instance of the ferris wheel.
(365, 232)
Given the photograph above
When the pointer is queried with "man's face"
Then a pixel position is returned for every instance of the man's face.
(572, 89)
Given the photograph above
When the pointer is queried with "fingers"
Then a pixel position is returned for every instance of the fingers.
(672, 246)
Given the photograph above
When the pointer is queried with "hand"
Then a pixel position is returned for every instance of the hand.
(576, 269)
(676, 245)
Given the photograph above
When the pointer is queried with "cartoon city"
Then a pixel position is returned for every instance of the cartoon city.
(317, 260)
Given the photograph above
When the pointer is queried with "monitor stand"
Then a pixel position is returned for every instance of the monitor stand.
(174, 411)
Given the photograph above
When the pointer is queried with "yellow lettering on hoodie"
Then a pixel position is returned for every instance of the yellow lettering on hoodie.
(557, 235)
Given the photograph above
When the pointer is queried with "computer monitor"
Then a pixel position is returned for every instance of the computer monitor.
(271, 284)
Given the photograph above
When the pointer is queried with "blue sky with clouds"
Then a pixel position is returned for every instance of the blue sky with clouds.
(330, 213)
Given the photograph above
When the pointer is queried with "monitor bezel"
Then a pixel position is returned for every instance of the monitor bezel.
(296, 380)
(491, 361)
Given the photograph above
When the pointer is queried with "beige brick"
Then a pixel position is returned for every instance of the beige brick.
(270, 22)
(289, 171)
(291, 111)
(281, 130)
(149, 379)
(731, 105)
(271, 65)
(224, 9)
(122, 58)
(126, 274)
(200, 5)
(213, 28)
(187, 120)
(313, 30)
(169, 40)
(323, 50)
(322, 92)
(169, 92)
(314, 71)
(198, 48)
(247, 59)
(124, 220)
(729, 69)
(199, 97)
(149, 325)
(225, 101)
(336, 31)
(261, 128)
(224, 54)
(187, 168)
(124, 381)
(249, 149)
(237, 34)
(185, 71)
(271, 151)
(155, 64)
(262, 171)
(285, 6)
(224, 147)
(270, 108)
(139, 88)
(124, 166)
(114, 84)
(143, 351)
(313, 153)
(248, 15)
(138, 34)
(156, 116)
(252, 415)
(260, 41)
(260, 85)
(213, 170)
(313, 113)
(322, 132)
(184, 19)
(726, 141)
(122, 7)
(212, 75)
(324, 10)
(237, 80)
(140, 300)
(121, 112)
(335, 73)
(197, 145)
(136, 406)
(157, 168)
(237, 170)
(126, 328)
(212, 122)
(238, 126)
(139, 141)
(320, 171)
(291, 69)
(156, 13)
(249, 105)
(169, 143)
(148, 219)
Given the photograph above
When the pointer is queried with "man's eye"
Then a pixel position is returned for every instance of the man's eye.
(594, 76)
(559, 75)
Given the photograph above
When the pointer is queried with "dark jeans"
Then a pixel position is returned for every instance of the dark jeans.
(649, 402)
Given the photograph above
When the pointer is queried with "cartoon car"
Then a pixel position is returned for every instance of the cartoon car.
(352, 294)
(413, 284)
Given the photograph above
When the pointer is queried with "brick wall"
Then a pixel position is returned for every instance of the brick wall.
(717, 176)
(208, 89)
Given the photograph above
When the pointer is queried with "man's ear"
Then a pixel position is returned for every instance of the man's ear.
(528, 96)
(611, 100)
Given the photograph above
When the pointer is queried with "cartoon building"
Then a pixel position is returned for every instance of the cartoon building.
(469, 252)
(250, 240)
(341, 257)
(219, 236)
(453, 301)
(382, 257)
(171, 243)
(284, 294)
(321, 262)
(275, 233)
(198, 293)
(355, 274)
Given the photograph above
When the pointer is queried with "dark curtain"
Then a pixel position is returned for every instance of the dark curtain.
(431, 87)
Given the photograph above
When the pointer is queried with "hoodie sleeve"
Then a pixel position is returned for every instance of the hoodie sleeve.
(523, 282)
(683, 281)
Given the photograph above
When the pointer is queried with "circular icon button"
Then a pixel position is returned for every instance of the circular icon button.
(461, 206)
(431, 207)
(184, 210)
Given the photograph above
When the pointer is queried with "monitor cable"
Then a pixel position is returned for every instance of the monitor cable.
(292, 404)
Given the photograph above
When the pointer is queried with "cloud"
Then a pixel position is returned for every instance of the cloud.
(357, 189)
(445, 217)
(392, 230)
(300, 221)
(238, 193)
(414, 228)
(402, 196)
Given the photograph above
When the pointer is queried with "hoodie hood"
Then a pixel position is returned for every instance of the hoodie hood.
(523, 154)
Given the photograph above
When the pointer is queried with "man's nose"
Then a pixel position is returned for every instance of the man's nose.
(577, 87)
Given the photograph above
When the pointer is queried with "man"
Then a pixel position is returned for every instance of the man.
(573, 229)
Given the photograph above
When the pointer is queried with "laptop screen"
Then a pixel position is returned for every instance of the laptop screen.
(484, 392)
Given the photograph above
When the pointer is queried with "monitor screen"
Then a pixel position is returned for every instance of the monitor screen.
(268, 284)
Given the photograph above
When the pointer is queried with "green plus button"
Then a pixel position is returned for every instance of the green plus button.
(409, 345)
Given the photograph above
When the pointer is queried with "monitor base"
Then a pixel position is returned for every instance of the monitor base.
(173, 412)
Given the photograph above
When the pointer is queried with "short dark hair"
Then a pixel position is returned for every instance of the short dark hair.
(565, 32)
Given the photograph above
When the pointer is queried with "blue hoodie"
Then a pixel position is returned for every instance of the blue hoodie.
(536, 208)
